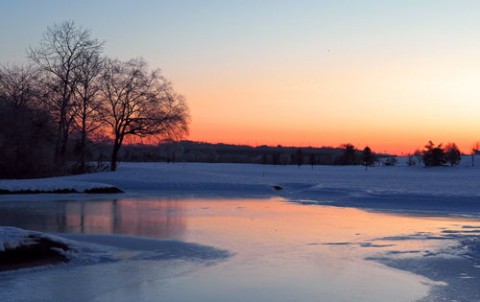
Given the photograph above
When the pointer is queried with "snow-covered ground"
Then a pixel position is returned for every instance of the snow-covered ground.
(286, 243)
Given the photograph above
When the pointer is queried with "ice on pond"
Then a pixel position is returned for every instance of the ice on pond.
(229, 250)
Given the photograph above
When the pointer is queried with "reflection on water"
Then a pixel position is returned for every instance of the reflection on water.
(159, 219)
(265, 222)
(283, 251)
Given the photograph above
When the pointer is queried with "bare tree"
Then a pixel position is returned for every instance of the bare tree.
(88, 117)
(140, 102)
(368, 157)
(60, 54)
(18, 84)
(418, 156)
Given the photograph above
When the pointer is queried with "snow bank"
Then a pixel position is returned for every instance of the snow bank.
(53, 185)
(11, 238)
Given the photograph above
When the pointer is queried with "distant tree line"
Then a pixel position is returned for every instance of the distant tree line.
(188, 151)
(345, 154)
(70, 97)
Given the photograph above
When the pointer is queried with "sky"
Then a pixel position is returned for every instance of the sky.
(388, 74)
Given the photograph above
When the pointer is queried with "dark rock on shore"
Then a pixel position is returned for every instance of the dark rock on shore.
(41, 251)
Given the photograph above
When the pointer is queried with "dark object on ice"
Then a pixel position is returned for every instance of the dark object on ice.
(110, 190)
(42, 251)
(277, 188)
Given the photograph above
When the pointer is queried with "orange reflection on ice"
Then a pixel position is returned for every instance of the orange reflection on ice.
(127, 217)
(265, 223)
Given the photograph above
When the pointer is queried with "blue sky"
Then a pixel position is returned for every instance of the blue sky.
(159, 29)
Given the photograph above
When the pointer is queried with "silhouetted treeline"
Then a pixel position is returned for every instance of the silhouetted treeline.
(26, 141)
(189, 151)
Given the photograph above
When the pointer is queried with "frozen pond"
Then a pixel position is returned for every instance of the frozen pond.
(245, 250)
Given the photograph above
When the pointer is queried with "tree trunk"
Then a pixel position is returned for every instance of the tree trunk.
(83, 140)
(62, 135)
(82, 151)
(116, 148)
(58, 146)
(63, 149)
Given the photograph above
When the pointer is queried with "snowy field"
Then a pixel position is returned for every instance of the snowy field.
(222, 232)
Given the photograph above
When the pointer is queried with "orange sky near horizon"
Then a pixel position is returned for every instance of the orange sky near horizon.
(396, 107)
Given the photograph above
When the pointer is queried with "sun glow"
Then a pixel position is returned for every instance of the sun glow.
(394, 108)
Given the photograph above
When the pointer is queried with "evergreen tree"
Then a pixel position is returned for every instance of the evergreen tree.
(452, 154)
(433, 155)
